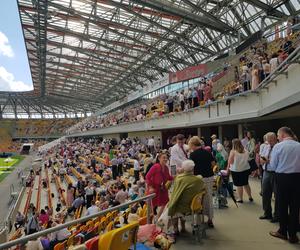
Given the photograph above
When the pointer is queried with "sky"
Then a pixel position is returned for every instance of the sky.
(14, 68)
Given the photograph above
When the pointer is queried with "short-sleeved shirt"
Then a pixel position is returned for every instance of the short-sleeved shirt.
(202, 160)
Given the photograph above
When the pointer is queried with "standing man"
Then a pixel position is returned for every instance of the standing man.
(136, 169)
(268, 182)
(179, 152)
(151, 145)
(114, 167)
(245, 140)
(285, 161)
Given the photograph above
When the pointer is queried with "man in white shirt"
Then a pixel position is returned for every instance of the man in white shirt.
(93, 209)
(151, 145)
(268, 182)
(136, 168)
(89, 194)
(181, 100)
(245, 140)
(179, 152)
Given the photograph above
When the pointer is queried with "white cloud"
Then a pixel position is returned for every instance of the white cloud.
(9, 83)
(5, 48)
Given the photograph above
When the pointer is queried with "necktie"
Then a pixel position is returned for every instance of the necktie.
(266, 167)
(186, 156)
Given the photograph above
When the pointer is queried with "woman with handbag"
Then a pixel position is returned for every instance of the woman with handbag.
(157, 179)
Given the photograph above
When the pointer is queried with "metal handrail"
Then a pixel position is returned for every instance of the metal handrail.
(27, 238)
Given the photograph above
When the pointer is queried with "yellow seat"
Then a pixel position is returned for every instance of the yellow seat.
(120, 239)
(61, 246)
(70, 241)
(197, 202)
(197, 216)
(143, 211)
(109, 226)
(115, 213)
(101, 226)
(218, 182)
(109, 217)
(83, 228)
(90, 224)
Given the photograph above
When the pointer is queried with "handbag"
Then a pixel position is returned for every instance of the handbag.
(253, 165)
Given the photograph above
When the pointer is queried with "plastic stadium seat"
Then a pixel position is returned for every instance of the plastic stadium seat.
(197, 216)
(120, 239)
(109, 226)
(70, 241)
(61, 246)
(143, 221)
(92, 244)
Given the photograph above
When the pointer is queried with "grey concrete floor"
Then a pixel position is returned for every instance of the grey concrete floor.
(237, 228)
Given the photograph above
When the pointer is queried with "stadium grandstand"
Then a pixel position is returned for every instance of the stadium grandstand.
(151, 124)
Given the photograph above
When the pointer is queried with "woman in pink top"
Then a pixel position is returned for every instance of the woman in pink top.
(43, 217)
(156, 180)
(70, 195)
(207, 91)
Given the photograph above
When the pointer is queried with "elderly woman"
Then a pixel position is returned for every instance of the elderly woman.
(186, 186)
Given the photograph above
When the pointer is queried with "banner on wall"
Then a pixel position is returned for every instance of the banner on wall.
(188, 73)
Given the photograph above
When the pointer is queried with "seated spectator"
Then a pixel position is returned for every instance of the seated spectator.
(121, 195)
(20, 220)
(58, 236)
(93, 209)
(43, 217)
(186, 186)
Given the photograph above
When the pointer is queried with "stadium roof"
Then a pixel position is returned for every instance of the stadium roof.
(84, 54)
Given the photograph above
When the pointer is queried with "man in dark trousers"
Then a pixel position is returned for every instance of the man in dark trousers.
(268, 182)
(285, 161)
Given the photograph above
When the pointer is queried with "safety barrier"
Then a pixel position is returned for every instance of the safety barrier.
(25, 239)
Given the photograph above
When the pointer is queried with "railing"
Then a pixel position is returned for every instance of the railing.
(34, 236)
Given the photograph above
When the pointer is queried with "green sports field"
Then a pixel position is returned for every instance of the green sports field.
(7, 167)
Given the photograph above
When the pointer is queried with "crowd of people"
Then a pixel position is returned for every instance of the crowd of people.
(187, 168)
(254, 65)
